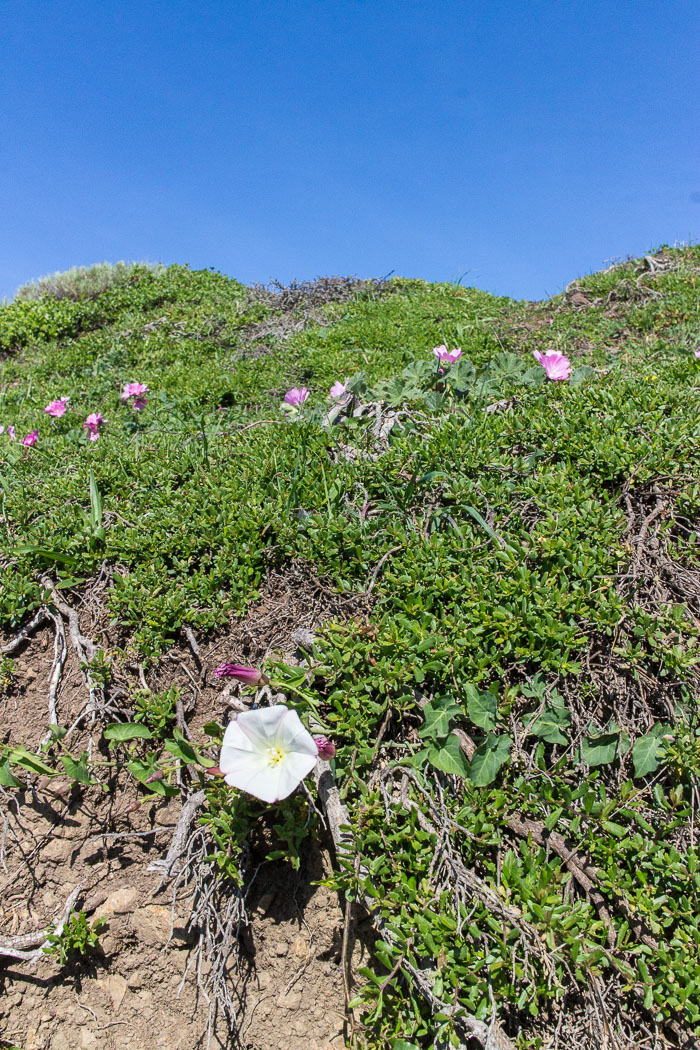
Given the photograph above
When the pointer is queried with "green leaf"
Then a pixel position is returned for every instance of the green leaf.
(181, 749)
(580, 375)
(21, 757)
(77, 770)
(48, 555)
(6, 778)
(647, 751)
(449, 757)
(488, 758)
(481, 708)
(438, 715)
(548, 726)
(122, 731)
(401, 1044)
(600, 750)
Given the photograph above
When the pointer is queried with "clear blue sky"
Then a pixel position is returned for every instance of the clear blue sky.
(522, 141)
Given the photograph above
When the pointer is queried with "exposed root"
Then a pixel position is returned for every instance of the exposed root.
(20, 638)
(60, 651)
(20, 947)
(181, 835)
(84, 647)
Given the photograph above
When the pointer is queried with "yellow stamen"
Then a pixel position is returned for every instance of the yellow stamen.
(274, 756)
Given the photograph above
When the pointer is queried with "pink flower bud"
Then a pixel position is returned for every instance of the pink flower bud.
(158, 775)
(214, 771)
(247, 675)
(132, 808)
(326, 749)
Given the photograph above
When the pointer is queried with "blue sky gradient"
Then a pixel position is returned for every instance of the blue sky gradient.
(521, 143)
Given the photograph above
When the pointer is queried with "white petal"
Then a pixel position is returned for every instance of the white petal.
(292, 736)
(262, 726)
(293, 769)
(253, 773)
(234, 737)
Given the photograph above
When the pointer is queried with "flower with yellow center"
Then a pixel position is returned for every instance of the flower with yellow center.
(267, 752)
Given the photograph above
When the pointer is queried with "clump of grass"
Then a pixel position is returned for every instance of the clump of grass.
(83, 282)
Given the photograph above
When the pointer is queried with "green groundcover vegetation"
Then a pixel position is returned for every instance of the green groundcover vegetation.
(513, 693)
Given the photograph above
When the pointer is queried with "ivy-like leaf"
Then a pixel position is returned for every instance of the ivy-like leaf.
(600, 750)
(488, 758)
(481, 707)
(647, 751)
(548, 726)
(438, 715)
(77, 770)
(449, 757)
(123, 731)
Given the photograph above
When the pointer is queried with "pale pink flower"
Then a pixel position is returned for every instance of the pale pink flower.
(697, 353)
(338, 388)
(92, 424)
(296, 396)
(31, 439)
(11, 432)
(556, 365)
(134, 390)
(247, 675)
(326, 749)
(57, 408)
(445, 356)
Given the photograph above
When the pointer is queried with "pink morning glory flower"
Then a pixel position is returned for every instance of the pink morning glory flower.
(445, 356)
(247, 675)
(556, 365)
(338, 388)
(31, 439)
(92, 424)
(296, 396)
(267, 752)
(57, 408)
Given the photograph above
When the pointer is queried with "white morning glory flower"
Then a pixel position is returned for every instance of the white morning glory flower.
(267, 752)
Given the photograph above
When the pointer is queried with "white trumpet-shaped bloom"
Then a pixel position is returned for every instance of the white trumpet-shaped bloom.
(267, 752)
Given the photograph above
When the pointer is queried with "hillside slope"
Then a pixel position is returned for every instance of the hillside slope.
(496, 577)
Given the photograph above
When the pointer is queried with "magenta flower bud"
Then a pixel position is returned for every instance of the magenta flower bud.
(326, 749)
(214, 771)
(158, 775)
(247, 675)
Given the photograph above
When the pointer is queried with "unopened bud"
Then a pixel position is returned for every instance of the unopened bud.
(132, 808)
(326, 749)
(214, 771)
(247, 675)
(158, 775)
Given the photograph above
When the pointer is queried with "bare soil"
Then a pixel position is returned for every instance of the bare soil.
(136, 990)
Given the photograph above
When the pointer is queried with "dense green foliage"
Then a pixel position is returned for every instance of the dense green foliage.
(531, 554)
